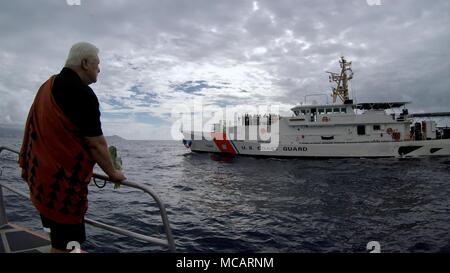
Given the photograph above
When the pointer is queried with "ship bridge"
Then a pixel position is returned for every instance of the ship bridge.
(323, 109)
(327, 109)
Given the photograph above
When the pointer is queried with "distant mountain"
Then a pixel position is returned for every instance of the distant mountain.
(13, 131)
(115, 138)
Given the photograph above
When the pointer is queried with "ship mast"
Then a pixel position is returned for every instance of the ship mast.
(342, 79)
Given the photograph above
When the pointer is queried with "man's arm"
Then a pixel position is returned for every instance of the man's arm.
(99, 151)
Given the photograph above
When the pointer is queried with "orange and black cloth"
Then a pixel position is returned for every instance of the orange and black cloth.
(55, 162)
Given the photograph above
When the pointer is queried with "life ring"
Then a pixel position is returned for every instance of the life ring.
(396, 136)
(325, 119)
(389, 131)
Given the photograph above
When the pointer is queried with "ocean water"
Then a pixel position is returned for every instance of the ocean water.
(244, 204)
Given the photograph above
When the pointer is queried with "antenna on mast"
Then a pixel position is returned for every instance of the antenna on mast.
(342, 79)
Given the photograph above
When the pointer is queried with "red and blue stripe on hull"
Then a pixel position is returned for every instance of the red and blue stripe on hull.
(223, 144)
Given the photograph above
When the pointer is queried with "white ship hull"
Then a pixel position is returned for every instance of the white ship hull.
(439, 147)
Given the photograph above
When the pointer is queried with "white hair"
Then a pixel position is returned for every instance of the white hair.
(80, 51)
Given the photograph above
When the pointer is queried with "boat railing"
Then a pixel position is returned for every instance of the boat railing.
(167, 242)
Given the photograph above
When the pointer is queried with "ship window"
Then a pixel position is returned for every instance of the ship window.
(329, 110)
(376, 127)
(361, 130)
(343, 110)
(321, 111)
(336, 110)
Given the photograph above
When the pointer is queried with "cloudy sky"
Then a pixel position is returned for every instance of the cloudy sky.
(160, 56)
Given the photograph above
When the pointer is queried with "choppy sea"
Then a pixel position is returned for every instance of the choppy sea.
(247, 204)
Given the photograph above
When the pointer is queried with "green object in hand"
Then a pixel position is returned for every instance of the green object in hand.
(117, 162)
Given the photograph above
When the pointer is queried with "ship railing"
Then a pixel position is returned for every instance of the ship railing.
(168, 242)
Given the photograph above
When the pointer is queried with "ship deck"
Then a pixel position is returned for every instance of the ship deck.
(17, 239)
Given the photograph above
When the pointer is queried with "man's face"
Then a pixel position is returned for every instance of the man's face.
(92, 69)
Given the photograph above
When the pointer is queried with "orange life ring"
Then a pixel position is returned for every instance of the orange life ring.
(325, 119)
(389, 131)
(396, 136)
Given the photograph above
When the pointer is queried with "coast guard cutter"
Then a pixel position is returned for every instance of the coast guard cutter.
(338, 129)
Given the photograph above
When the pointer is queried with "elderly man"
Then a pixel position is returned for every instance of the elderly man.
(62, 142)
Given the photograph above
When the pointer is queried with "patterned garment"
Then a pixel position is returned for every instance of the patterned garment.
(54, 160)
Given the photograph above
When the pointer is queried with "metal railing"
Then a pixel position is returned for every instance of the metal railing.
(169, 242)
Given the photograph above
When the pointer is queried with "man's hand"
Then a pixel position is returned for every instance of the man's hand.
(117, 176)
(99, 151)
